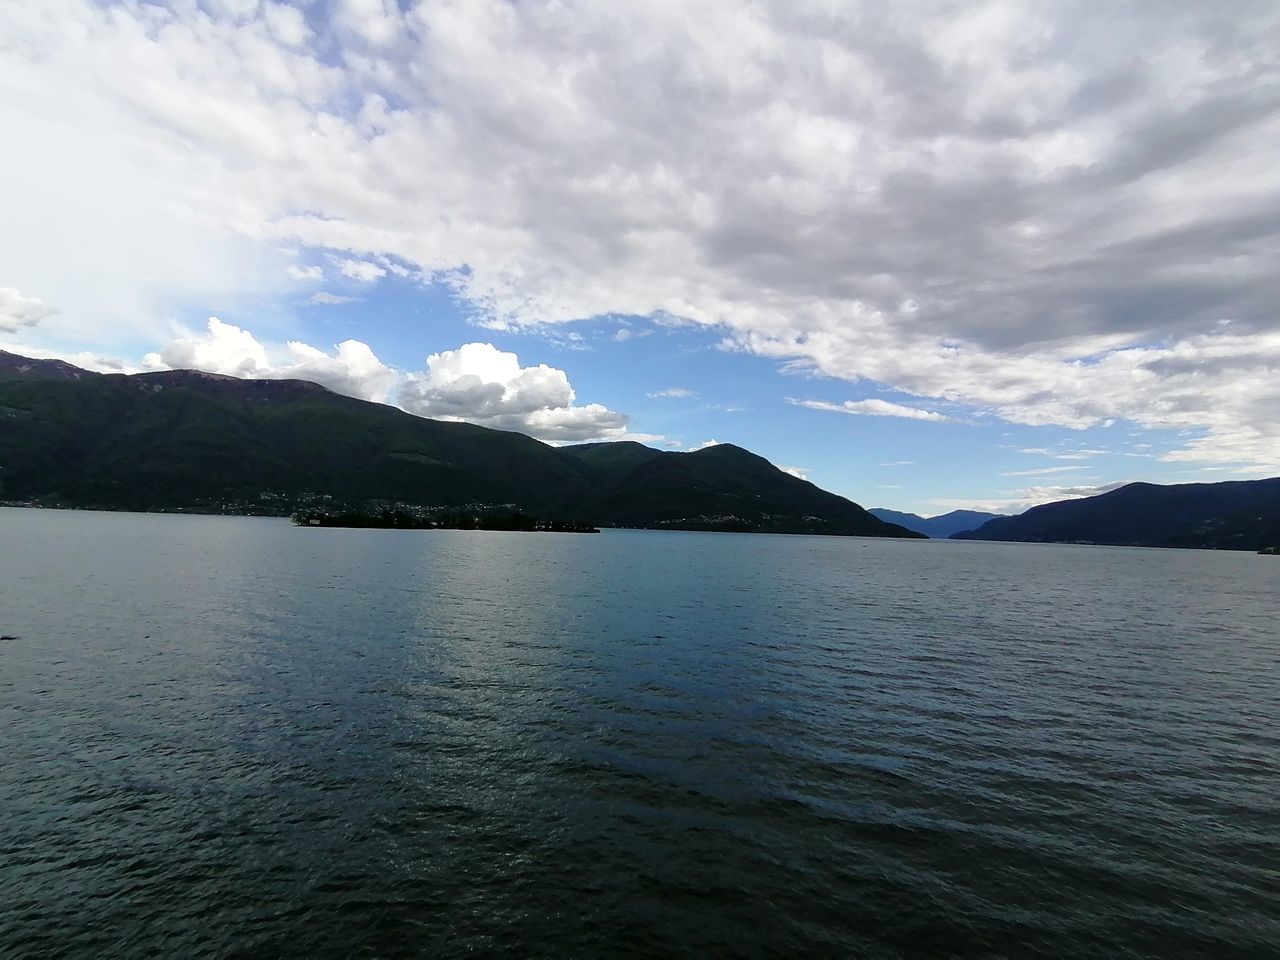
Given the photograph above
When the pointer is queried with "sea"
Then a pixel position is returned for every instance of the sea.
(232, 737)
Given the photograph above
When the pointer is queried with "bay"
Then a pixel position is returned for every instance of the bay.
(232, 737)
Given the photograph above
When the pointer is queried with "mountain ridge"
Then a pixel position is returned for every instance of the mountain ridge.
(16, 367)
(187, 440)
(1227, 515)
(939, 527)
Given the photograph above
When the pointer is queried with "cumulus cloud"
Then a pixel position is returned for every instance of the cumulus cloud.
(997, 205)
(873, 407)
(17, 311)
(351, 369)
(223, 348)
(481, 384)
(477, 383)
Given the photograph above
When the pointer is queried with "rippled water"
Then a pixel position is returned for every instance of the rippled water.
(230, 737)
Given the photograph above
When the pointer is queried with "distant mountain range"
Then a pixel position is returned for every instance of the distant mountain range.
(939, 527)
(1231, 515)
(182, 440)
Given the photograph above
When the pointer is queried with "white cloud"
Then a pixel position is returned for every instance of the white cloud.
(477, 383)
(897, 463)
(703, 445)
(323, 297)
(311, 272)
(223, 348)
(873, 407)
(361, 271)
(676, 393)
(1063, 454)
(623, 334)
(800, 472)
(17, 311)
(1015, 501)
(995, 205)
(352, 369)
(1044, 471)
(481, 384)
(286, 24)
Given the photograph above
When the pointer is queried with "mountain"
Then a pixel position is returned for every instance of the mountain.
(14, 367)
(183, 440)
(741, 490)
(941, 527)
(1232, 515)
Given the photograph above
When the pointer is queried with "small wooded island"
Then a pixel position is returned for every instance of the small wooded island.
(396, 519)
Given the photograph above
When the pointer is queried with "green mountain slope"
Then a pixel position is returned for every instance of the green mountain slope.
(723, 486)
(1238, 515)
(182, 440)
(177, 439)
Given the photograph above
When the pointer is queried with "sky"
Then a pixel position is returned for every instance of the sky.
(929, 255)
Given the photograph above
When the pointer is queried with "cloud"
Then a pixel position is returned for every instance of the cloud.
(477, 383)
(323, 297)
(1063, 454)
(1044, 471)
(676, 393)
(361, 271)
(623, 334)
(995, 205)
(703, 445)
(312, 272)
(286, 24)
(897, 463)
(481, 384)
(352, 369)
(873, 407)
(17, 311)
(1018, 500)
(801, 473)
(223, 348)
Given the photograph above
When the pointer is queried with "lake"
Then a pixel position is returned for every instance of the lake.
(231, 737)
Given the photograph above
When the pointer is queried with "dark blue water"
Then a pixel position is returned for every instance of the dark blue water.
(229, 737)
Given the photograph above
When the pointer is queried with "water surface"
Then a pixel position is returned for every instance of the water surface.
(230, 737)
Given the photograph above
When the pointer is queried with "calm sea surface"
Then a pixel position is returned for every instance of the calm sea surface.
(227, 737)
